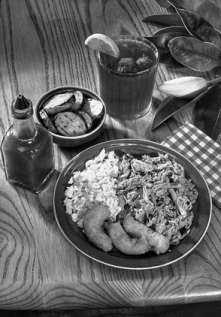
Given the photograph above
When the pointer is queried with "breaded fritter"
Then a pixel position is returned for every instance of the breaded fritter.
(158, 242)
(94, 229)
(124, 243)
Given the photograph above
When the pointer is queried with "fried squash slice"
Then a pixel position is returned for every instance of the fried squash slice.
(70, 124)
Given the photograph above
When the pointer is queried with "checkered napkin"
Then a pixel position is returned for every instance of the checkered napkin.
(203, 152)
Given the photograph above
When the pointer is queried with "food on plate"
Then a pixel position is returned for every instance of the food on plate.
(94, 185)
(124, 243)
(94, 227)
(157, 241)
(69, 123)
(149, 196)
(71, 113)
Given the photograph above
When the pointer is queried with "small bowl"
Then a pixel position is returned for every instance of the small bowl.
(70, 141)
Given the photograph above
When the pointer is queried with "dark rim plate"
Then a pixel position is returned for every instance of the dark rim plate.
(202, 209)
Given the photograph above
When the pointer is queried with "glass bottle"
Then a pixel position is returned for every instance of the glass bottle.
(27, 148)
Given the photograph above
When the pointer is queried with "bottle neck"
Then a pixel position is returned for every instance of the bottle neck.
(23, 121)
(24, 129)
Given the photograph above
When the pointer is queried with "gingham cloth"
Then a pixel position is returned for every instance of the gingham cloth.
(203, 152)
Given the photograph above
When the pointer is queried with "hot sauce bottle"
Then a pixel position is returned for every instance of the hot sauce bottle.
(27, 148)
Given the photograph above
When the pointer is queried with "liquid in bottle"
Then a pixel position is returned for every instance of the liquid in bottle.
(27, 148)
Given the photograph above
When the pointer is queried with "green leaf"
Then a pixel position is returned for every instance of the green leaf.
(199, 27)
(207, 113)
(173, 105)
(205, 8)
(172, 19)
(161, 42)
(195, 54)
(173, 29)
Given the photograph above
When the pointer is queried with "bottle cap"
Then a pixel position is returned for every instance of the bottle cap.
(21, 108)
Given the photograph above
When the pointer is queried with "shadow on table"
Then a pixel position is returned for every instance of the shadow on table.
(211, 309)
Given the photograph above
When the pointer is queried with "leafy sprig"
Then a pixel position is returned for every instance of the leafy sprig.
(190, 38)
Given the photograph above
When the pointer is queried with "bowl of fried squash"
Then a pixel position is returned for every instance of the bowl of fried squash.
(72, 114)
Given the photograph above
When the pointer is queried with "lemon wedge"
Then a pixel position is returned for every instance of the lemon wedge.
(102, 42)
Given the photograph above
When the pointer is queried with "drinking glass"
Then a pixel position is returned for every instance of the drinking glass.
(127, 93)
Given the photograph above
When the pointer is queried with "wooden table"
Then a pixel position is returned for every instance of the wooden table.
(42, 47)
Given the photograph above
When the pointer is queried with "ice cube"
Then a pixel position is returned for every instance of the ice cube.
(144, 62)
(127, 65)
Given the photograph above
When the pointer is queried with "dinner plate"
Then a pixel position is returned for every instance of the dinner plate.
(202, 208)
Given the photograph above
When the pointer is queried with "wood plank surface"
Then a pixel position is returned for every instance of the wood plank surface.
(42, 47)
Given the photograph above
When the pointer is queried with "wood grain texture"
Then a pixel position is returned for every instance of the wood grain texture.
(42, 47)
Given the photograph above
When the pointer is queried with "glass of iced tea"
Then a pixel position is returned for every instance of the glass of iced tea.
(127, 82)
